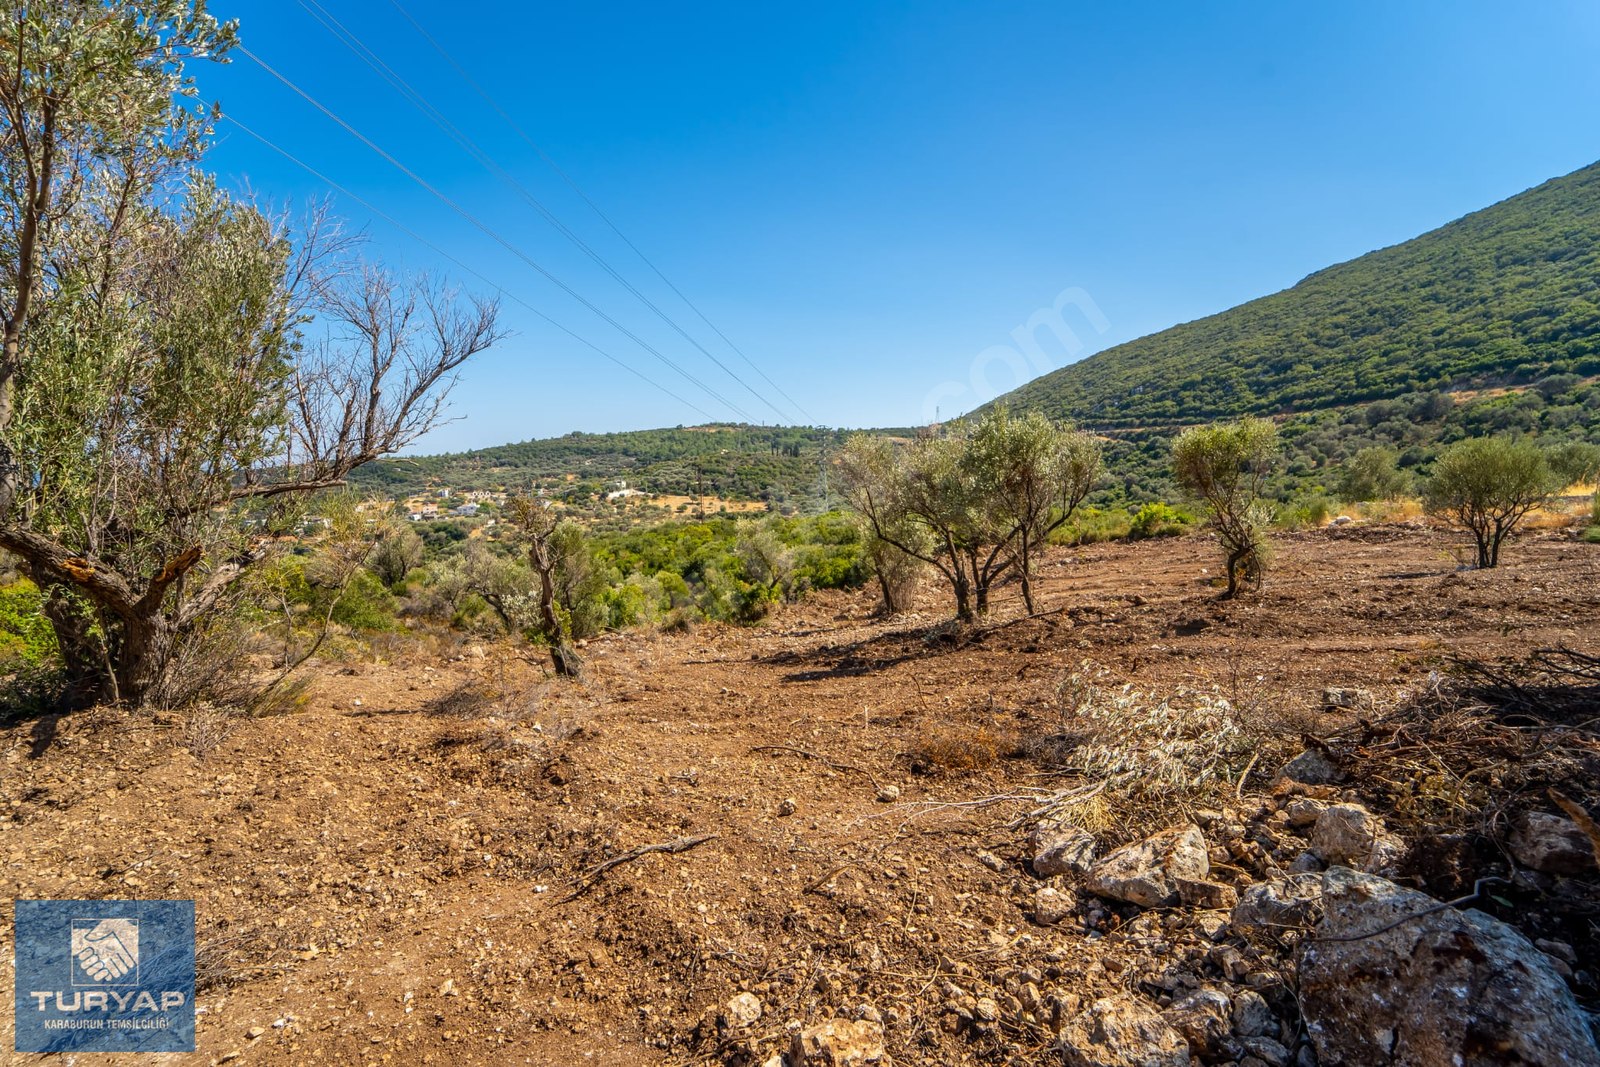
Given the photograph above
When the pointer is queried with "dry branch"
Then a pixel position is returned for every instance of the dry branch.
(589, 878)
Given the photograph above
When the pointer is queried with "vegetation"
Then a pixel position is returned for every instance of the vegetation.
(1488, 486)
(1373, 474)
(1225, 467)
(976, 502)
(552, 546)
(25, 634)
(1502, 296)
(1574, 463)
(781, 466)
(161, 416)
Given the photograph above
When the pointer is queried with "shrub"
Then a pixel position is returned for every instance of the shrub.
(1306, 511)
(1157, 519)
(1091, 526)
(1488, 486)
(1574, 463)
(955, 749)
(25, 634)
(1373, 474)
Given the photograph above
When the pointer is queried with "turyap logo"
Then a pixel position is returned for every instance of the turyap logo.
(105, 976)
(107, 952)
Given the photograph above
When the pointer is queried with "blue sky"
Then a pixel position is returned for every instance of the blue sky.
(868, 198)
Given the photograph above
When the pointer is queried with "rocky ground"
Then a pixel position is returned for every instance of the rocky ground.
(836, 838)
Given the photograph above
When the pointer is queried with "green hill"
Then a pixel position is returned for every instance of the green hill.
(1504, 296)
(733, 461)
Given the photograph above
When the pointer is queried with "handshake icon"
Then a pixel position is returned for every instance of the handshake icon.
(108, 952)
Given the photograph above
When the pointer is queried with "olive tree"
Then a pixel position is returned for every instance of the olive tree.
(181, 371)
(1488, 486)
(1224, 467)
(1032, 475)
(396, 555)
(549, 542)
(976, 503)
(867, 470)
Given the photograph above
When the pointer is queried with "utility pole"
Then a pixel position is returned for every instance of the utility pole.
(824, 461)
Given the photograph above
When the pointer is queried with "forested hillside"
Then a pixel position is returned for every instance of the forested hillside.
(730, 460)
(1506, 295)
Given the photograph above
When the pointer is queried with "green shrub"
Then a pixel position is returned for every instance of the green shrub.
(1592, 535)
(1305, 512)
(1157, 519)
(25, 634)
(1373, 474)
(366, 604)
(1093, 525)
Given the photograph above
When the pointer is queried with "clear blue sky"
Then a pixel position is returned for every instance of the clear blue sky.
(867, 196)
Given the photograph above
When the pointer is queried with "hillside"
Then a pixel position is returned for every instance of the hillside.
(733, 461)
(1506, 295)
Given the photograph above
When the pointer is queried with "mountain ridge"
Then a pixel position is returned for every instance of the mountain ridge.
(1507, 293)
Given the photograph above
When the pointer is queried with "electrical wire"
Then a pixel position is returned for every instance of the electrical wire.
(502, 290)
(573, 185)
(492, 233)
(353, 41)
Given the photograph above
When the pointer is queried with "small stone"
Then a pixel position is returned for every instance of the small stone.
(1146, 873)
(1342, 698)
(1204, 1018)
(991, 861)
(1303, 811)
(888, 794)
(1212, 896)
(448, 989)
(1552, 844)
(1122, 1031)
(1268, 1051)
(1307, 862)
(255, 1032)
(1212, 927)
(1559, 949)
(1251, 1015)
(1311, 768)
(1272, 909)
(1061, 850)
(1350, 835)
(743, 1011)
(1052, 906)
(986, 1009)
(838, 1043)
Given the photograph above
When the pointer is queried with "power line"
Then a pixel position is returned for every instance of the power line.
(486, 229)
(573, 185)
(414, 235)
(353, 41)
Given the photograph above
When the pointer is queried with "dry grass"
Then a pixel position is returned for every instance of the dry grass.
(1387, 510)
(955, 749)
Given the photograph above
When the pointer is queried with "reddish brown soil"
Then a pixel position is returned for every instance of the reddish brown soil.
(393, 874)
